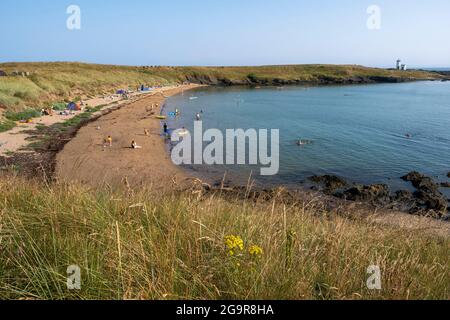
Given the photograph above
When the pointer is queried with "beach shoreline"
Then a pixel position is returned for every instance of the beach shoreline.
(85, 159)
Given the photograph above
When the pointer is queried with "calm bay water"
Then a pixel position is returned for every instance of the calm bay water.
(358, 132)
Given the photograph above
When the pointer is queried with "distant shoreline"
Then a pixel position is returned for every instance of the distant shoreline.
(45, 83)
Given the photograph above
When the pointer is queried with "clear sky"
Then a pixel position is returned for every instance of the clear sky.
(227, 32)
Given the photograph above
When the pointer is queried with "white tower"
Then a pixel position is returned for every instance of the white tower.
(398, 64)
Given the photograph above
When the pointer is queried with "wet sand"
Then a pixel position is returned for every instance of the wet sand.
(85, 159)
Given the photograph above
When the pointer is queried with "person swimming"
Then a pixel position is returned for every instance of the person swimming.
(198, 117)
(302, 142)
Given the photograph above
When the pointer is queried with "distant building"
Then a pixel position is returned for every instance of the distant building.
(403, 67)
(398, 64)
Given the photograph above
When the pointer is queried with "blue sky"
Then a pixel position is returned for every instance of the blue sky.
(227, 32)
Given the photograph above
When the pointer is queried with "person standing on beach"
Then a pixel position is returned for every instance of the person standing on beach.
(165, 128)
(109, 141)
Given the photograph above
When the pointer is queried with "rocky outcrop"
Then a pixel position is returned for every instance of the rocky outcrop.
(376, 194)
(445, 184)
(421, 182)
(382, 79)
(426, 200)
(330, 183)
(427, 196)
(3, 73)
(318, 79)
(403, 200)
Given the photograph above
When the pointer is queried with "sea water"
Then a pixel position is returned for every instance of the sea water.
(364, 133)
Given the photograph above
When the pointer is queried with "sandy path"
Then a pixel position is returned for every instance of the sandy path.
(85, 160)
(16, 138)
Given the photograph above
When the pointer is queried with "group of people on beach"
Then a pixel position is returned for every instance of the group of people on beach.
(152, 107)
(108, 141)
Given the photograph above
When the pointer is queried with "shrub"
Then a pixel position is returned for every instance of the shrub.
(59, 106)
(6, 125)
(23, 115)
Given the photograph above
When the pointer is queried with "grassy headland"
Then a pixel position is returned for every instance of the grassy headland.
(54, 82)
(188, 246)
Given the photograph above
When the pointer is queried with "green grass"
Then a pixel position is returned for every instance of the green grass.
(59, 106)
(81, 117)
(142, 245)
(22, 115)
(6, 125)
(54, 82)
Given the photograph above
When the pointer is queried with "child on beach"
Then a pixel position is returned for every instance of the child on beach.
(108, 141)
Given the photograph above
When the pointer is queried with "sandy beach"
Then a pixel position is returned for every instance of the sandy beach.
(85, 159)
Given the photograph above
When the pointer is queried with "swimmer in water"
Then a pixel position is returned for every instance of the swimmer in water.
(301, 142)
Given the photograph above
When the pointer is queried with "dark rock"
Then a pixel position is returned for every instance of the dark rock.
(403, 200)
(421, 182)
(427, 195)
(445, 184)
(378, 193)
(432, 201)
(3, 73)
(448, 175)
(331, 183)
(403, 195)
(385, 79)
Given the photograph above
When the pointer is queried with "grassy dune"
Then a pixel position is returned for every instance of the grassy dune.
(141, 246)
(54, 82)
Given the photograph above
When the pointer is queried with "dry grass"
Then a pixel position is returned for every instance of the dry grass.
(142, 246)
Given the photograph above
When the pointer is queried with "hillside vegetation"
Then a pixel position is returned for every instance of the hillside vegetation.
(190, 246)
(55, 82)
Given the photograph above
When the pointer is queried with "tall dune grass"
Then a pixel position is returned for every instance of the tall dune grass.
(138, 245)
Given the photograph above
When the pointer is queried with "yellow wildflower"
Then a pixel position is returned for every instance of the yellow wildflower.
(234, 243)
(255, 251)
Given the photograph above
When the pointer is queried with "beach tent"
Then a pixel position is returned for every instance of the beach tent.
(144, 88)
(74, 106)
(121, 92)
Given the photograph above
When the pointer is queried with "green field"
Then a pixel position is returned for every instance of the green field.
(138, 245)
(55, 82)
